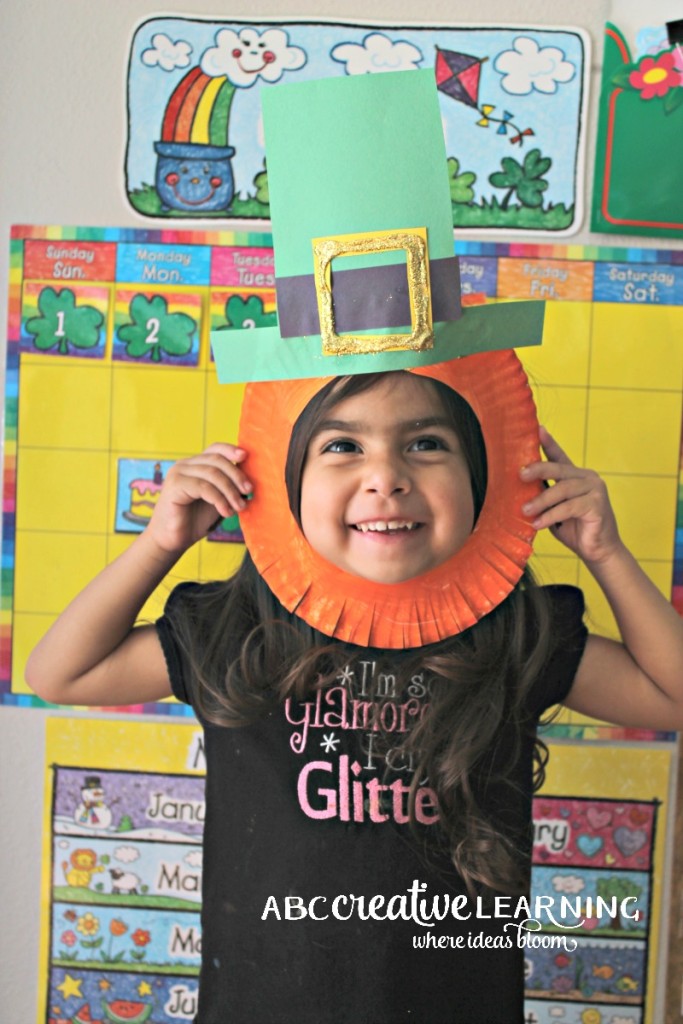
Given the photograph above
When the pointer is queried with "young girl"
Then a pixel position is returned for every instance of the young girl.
(367, 807)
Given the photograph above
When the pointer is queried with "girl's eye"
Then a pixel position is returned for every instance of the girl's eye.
(428, 444)
(341, 447)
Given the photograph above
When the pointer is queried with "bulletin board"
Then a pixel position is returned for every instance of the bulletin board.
(110, 380)
(122, 868)
(600, 826)
(122, 862)
(639, 188)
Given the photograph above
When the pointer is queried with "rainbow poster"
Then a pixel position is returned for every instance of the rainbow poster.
(195, 137)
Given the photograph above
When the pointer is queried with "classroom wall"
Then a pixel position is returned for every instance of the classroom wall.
(62, 115)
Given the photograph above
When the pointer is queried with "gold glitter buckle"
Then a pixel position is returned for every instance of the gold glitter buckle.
(414, 242)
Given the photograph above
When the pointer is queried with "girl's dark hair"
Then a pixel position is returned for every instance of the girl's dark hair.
(248, 654)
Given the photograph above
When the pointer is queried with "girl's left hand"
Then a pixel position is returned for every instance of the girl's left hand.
(575, 507)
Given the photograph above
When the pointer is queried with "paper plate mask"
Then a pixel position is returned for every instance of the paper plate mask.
(357, 175)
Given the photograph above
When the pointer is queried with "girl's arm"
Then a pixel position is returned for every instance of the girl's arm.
(638, 682)
(93, 654)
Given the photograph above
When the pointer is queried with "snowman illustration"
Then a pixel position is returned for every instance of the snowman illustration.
(92, 811)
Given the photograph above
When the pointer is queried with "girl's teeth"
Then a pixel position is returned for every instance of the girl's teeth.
(382, 526)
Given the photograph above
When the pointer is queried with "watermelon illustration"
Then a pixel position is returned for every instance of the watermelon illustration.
(84, 1016)
(125, 1011)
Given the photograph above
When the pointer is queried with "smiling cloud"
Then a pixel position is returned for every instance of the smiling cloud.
(377, 53)
(528, 67)
(246, 56)
(166, 54)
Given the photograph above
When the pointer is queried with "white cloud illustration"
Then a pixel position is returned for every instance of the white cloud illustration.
(528, 67)
(568, 883)
(194, 858)
(126, 854)
(246, 56)
(166, 54)
(377, 53)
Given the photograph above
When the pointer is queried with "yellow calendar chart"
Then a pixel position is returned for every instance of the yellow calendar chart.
(110, 380)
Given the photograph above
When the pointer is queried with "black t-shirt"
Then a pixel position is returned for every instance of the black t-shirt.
(306, 824)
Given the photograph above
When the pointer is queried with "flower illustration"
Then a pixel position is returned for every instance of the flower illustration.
(141, 937)
(654, 76)
(69, 938)
(88, 924)
(117, 927)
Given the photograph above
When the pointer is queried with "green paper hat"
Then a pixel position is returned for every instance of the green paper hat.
(365, 272)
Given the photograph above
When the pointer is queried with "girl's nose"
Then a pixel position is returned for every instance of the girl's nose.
(386, 476)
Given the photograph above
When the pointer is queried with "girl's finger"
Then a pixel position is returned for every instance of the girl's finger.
(225, 501)
(555, 471)
(217, 468)
(205, 491)
(574, 508)
(551, 448)
(229, 451)
(194, 479)
(576, 487)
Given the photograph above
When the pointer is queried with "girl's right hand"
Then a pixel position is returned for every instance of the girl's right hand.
(196, 494)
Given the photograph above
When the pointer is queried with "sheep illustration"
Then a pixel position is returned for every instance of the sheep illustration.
(124, 883)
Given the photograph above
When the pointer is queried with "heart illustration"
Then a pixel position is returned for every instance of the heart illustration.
(598, 818)
(589, 845)
(638, 816)
(565, 812)
(628, 841)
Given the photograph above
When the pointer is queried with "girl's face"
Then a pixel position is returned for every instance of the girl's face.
(386, 491)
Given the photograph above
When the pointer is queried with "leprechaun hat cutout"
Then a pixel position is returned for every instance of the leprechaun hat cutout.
(367, 281)
(365, 272)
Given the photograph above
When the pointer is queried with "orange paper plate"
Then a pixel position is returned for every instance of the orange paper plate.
(443, 601)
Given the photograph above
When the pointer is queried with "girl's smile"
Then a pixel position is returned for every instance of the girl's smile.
(386, 491)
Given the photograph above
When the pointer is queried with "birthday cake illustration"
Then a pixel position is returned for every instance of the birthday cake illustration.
(144, 495)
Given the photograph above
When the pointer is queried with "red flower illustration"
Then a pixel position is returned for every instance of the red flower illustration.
(69, 938)
(654, 76)
(141, 937)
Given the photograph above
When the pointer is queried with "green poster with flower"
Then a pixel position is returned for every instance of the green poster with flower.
(638, 183)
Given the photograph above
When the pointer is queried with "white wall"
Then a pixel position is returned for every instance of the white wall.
(62, 123)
